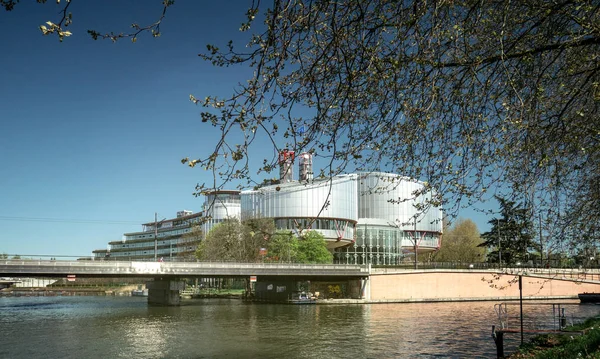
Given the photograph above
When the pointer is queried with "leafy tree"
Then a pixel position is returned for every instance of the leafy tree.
(222, 243)
(3, 256)
(461, 244)
(233, 240)
(476, 97)
(312, 248)
(453, 92)
(511, 238)
(283, 246)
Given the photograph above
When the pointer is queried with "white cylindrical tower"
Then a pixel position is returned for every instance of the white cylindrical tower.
(305, 164)
(286, 166)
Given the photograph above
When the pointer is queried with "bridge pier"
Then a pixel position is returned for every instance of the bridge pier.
(164, 292)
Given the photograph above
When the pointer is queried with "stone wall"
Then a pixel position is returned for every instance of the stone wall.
(471, 285)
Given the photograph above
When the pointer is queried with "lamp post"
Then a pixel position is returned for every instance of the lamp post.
(156, 235)
(415, 245)
(499, 246)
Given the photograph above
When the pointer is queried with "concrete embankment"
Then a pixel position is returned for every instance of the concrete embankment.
(471, 285)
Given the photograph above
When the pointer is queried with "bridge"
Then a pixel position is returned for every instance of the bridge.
(107, 269)
(371, 284)
(167, 283)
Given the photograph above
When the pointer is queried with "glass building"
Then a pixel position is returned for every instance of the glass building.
(375, 217)
(219, 206)
(166, 236)
(364, 217)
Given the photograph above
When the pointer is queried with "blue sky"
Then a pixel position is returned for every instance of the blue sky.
(92, 132)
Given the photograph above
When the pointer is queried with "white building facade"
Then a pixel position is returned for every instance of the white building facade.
(375, 218)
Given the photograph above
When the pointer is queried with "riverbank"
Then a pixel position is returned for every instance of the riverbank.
(124, 290)
(578, 341)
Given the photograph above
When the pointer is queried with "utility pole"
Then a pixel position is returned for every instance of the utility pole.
(541, 242)
(499, 246)
(155, 236)
(415, 244)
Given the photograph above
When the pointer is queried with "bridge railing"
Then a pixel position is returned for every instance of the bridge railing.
(46, 267)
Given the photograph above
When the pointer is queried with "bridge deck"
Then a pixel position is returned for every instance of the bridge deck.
(44, 268)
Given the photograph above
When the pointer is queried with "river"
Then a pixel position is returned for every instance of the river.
(125, 327)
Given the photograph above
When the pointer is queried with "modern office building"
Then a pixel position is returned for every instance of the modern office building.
(364, 217)
(164, 240)
(219, 206)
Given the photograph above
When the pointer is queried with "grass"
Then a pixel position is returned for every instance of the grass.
(553, 346)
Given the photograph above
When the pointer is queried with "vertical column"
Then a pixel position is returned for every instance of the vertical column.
(164, 291)
(365, 285)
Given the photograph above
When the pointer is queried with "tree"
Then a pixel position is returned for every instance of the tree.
(3, 256)
(475, 97)
(461, 244)
(233, 240)
(222, 243)
(312, 248)
(283, 246)
(478, 98)
(511, 239)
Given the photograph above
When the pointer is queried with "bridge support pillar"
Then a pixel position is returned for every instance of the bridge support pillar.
(164, 292)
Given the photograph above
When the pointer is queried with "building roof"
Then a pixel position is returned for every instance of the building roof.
(193, 215)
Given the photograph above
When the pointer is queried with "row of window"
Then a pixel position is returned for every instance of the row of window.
(170, 242)
(374, 237)
(389, 259)
(318, 223)
(159, 234)
(171, 224)
(141, 253)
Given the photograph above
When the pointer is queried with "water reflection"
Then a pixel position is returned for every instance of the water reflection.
(76, 327)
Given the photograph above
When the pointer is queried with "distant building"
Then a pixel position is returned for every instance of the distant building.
(219, 206)
(168, 234)
(364, 217)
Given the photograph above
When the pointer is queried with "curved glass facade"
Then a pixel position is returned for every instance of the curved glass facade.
(328, 206)
(366, 218)
(219, 206)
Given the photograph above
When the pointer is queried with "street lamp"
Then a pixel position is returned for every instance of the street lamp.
(499, 246)
(156, 235)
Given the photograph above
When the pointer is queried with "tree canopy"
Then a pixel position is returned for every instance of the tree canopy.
(478, 98)
(236, 241)
(312, 248)
(461, 244)
(511, 239)
(256, 240)
(308, 248)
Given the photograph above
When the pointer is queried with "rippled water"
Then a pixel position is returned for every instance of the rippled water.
(125, 327)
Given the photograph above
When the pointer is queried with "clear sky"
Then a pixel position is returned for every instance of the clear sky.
(92, 132)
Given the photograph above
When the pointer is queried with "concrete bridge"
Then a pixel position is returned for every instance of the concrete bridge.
(369, 284)
(104, 269)
(167, 283)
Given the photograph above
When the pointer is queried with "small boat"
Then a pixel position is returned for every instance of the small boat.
(302, 298)
(589, 297)
(139, 292)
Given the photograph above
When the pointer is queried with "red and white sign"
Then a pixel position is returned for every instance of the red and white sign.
(252, 278)
(70, 277)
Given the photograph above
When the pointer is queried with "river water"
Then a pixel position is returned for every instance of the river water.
(125, 327)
